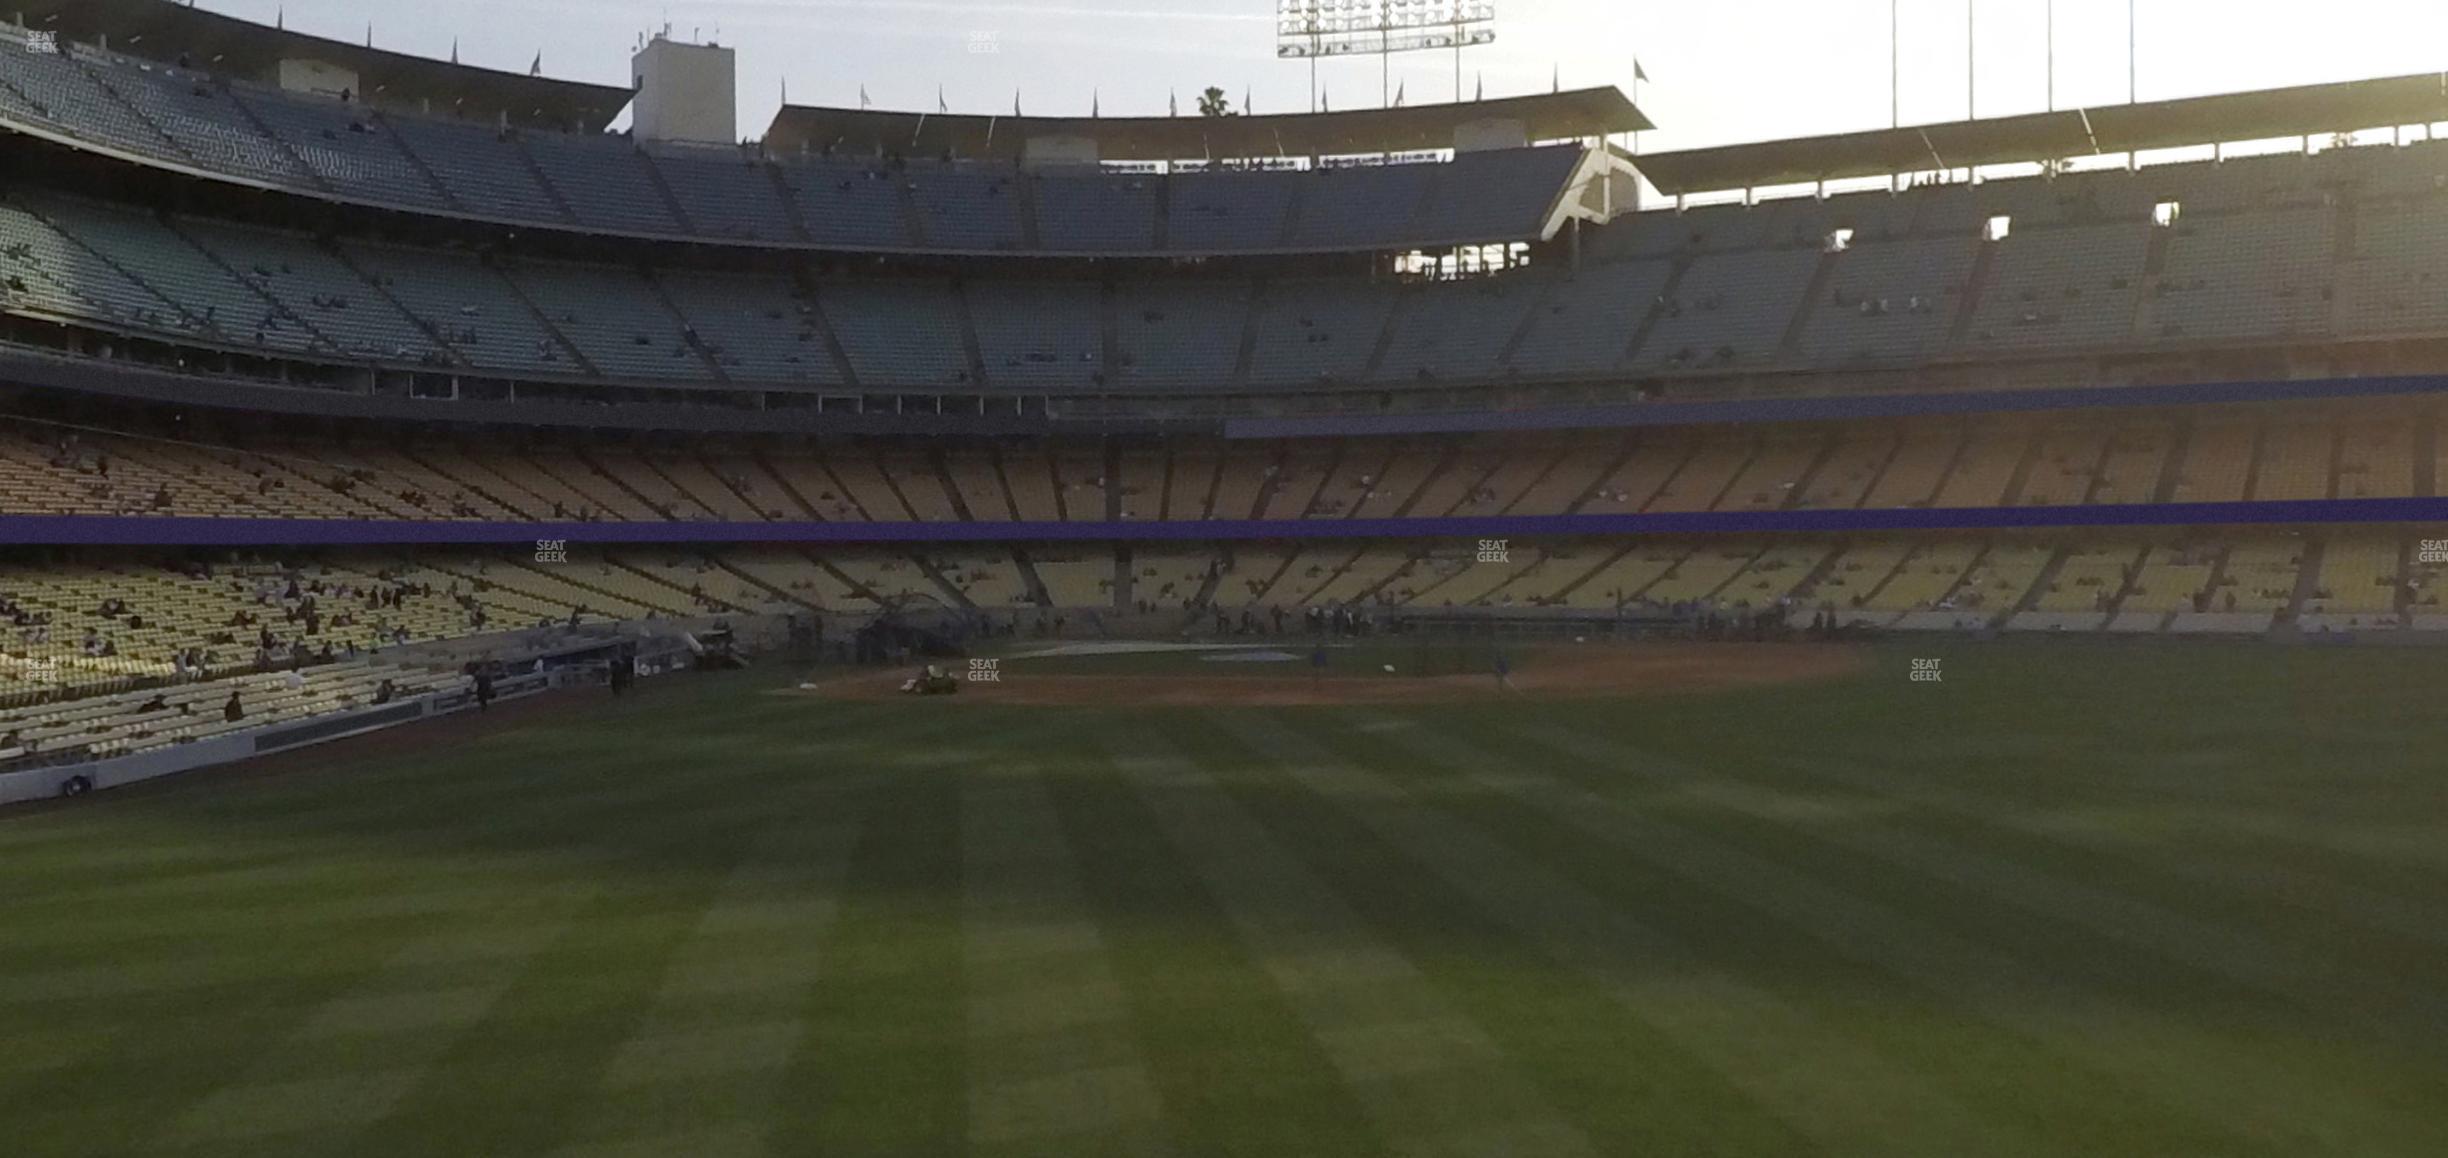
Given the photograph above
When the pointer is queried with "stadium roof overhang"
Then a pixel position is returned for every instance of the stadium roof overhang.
(2246, 116)
(161, 30)
(1592, 112)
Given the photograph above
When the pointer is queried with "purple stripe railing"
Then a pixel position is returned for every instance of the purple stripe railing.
(100, 530)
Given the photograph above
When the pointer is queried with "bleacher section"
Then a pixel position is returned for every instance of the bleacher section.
(1229, 209)
(2247, 275)
(1317, 331)
(1093, 211)
(2070, 288)
(323, 147)
(350, 150)
(726, 192)
(1728, 310)
(128, 723)
(1889, 301)
(2362, 451)
(1732, 289)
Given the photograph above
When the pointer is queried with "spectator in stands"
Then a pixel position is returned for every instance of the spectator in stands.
(233, 711)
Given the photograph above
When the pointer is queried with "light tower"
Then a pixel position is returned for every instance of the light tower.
(1311, 29)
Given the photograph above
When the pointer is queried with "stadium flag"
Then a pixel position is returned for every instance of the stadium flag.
(1638, 73)
(940, 106)
(1016, 102)
(536, 67)
(454, 50)
(1172, 104)
(280, 19)
(1478, 86)
(1555, 84)
(1398, 93)
(863, 101)
(1095, 105)
(1245, 102)
(369, 34)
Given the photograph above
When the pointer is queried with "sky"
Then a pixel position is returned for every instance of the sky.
(1720, 71)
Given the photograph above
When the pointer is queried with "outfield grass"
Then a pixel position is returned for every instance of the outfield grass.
(2095, 900)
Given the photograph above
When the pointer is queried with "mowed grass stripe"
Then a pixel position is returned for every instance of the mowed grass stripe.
(511, 1080)
(2278, 897)
(125, 1065)
(2215, 1086)
(1630, 1088)
(555, 799)
(1433, 1078)
(2015, 742)
(2317, 757)
(702, 1067)
(1236, 1069)
(2099, 934)
(745, 1044)
(125, 1011)
(1822, 1082)
(207, 956)
(527, 1009)
(349, 1059)
(1053, 1063)
(886, 1072)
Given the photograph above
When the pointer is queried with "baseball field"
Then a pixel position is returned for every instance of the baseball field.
(2060, 900)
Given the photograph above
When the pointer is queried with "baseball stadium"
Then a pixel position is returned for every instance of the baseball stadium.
(542, 616)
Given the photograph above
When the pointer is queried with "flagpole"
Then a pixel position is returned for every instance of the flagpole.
(1639, 74)
(1895, 70)
(2132, 93)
